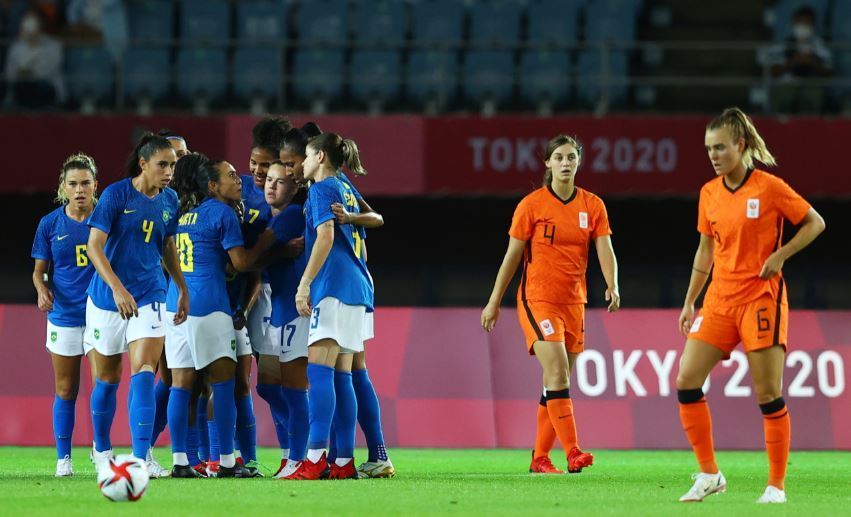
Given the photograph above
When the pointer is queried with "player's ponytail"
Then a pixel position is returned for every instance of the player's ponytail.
(351, 157)
(76, 161)
(339, 151)
(145, 148)
(741, 126)
(554, 143)
(191, 179)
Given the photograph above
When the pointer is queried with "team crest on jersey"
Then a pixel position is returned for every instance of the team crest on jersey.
(166, 216)
(547, 328)
(233, 344)
(583, 220)
(97, 333)
(53, 337)
(753, 208)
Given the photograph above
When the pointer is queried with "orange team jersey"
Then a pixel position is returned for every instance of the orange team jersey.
(557, 235)
(747, 226)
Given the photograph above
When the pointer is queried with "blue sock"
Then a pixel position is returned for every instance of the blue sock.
(203, 431)
(321, 400)
(178, 418)
(192, 444)
(213, 431)
(103, 412)
(332, 442)
(224, 409)
(161, 416)
(246, 428)
(299, 423)
(143, 405)
(63, 425)
(369, 415)
(273, 394)
(345, 415)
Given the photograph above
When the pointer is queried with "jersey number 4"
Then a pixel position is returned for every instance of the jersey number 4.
(147, 229)
(185, 253)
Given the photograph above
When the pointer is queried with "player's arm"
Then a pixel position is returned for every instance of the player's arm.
(700, 269)
(609, 265)
(245, 260)
(45, 296)
(368, 218)
(811, 226)
(506, 272)
(252, 291)
(124, 301)
(172, 265)
(290, 250)
(318, 256)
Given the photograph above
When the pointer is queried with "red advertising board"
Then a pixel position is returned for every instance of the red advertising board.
(443, 382)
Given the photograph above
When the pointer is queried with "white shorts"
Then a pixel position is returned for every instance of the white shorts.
(332, 319)
(177, 354)
(67, 341)
(243, 344)
(107, 333)
(368, 326)
(291, 338)
(258, 322)
(207, 338)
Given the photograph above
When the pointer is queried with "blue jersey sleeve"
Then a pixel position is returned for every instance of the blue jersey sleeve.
(41, 243)
(321, 199)
(171, 224)
(107, 209)
(231, 232)
(288, 225)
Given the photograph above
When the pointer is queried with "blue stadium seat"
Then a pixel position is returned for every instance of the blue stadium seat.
(257, 72)
(432, 74)
(381, 22)
(318, 73)
(150, 21)
(785, 9)
(201, 73)
(588, 85)
(488, 75)
(146, 72)
(495, 23)
(438, 21)
(545, 77)
(88, 73)
(840, 29)
(611, 20)
(554, 21)
(324, 22)
(376, 74)
(204, 21)
(261, 21)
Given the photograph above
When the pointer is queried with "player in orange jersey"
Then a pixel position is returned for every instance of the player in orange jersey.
(740, 220)
(551, 231)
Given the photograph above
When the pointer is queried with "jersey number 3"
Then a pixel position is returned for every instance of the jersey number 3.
(185, 253)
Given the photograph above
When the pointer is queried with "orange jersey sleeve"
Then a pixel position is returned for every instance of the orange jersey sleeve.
(599, 216)
(703, 225)
(788, 202)
(523, 223)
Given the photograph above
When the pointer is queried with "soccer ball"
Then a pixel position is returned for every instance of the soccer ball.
(124, 478)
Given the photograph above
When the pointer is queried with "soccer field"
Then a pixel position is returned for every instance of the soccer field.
(441, 481)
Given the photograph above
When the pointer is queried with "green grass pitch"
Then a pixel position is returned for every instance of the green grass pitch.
(444, 481)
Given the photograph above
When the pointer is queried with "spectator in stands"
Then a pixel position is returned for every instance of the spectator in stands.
(793, 62)
(34, 66)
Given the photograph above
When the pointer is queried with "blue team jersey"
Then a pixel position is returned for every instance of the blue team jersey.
(204, 235)
(344, 275)
(285, 274)
(61, 241)
(137, 227)
(257, 214)
(351, 187)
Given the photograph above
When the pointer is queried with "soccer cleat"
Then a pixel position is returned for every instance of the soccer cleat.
(201, 469)
(288, 469)
(347, 471)
(253, 469)
(240, 461)
(155, 470)
(704, 485)
(307, 470)
(185, 471)
(282, 467)
(64, 467)
(212, 469)
(578, 460)
(101, 459)
(237, 471)
(772, 494)
(377, 469)
(543, 465)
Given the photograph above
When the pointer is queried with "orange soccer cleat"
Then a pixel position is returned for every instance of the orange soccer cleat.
(308, 470)
(347, 471)
(578, 460)
(543, 465)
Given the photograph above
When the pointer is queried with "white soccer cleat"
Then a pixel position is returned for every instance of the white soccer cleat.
(704, 485)
(377, 469)
(772, 494)
(64, 467)
(101, 458)
(288, 469)
(155, 470)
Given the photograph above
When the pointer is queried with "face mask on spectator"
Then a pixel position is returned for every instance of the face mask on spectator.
(802, 31)
(30, 26)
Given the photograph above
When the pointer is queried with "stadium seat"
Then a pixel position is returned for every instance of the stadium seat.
(376, 75)
(381, 22)
(146, 73)
(201, 73)
(261, 21)
(257, 72)
(785, 9)
(324, 22)
(438, 22)
(150, 21)
(588, 81)
(495, 23)
(88, 73)
(611, 20)
(488, 76)
(553, 21)
(318, 75)
(431, 76)
(544, 77)
(204, 21)
(840, 29)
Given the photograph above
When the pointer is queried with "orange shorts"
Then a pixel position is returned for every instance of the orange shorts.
(762, 323)
(545, 321)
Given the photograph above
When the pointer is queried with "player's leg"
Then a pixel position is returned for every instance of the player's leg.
(183, 381)
(144, 356)
(766, 366)
(246, 423)
(553, 359)
(345, 419)
(269, 388)
(66, 376)
(378, 464)
(295, 386)
(161, 393)
(222, 372)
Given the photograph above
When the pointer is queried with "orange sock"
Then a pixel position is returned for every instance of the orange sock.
(778, 434)
(545, 434)
(697, 423)
(560, 410)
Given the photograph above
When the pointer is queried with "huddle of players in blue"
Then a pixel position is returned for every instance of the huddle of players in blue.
(310, 309)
